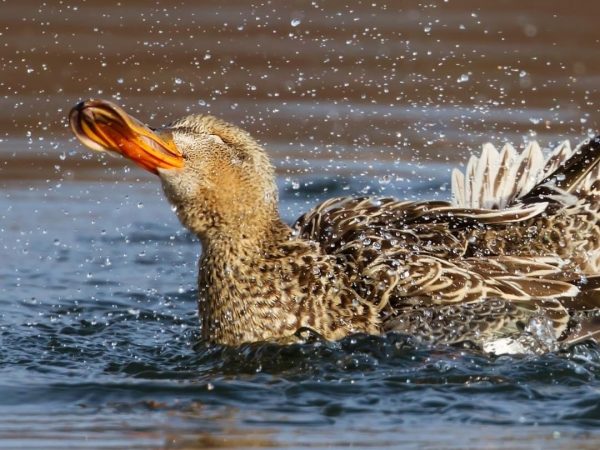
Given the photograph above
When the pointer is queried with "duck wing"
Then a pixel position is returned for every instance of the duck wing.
(510, 233)
(412, 257)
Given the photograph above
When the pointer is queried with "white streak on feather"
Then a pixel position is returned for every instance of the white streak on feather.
(559, 155)
(485, 176)
(458, 188)
(469, 181)
(496, 180)
(507, 158)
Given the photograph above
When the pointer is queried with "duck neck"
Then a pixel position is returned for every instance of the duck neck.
(247, 239)
(235, 281)
(270, 284)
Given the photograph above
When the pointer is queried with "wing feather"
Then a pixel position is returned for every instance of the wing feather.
(506, 160)
(500, 239)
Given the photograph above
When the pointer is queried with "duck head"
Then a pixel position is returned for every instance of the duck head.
(217, 177)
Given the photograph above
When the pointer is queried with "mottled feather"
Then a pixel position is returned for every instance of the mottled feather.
(447, 261)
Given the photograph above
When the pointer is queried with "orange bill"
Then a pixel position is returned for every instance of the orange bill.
(102, 125)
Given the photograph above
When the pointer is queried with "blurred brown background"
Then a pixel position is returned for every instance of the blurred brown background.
(365, 80)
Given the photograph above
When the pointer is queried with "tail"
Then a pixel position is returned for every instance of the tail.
(577, 170)
(499, 180)
(567, 181)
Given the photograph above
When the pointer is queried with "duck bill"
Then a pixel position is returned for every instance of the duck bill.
(102, 125)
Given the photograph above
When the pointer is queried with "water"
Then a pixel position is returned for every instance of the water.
(100, 347)
(99, 338)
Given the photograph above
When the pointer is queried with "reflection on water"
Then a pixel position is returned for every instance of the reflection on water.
(98, 325)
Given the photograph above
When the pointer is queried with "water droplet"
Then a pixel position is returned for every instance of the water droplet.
(120, 80)
(178, 81)
(463, 78)
(386, 179)
(295, 22)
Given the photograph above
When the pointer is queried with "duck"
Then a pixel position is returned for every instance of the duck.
(511, 264)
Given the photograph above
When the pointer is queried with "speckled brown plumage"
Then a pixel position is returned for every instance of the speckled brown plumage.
(509, 265)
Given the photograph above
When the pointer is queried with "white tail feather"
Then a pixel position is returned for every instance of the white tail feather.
(559, 155)
(529, 172)
(496, 180)
(458, 187)
(486, 174)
